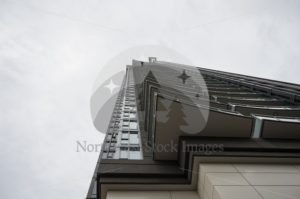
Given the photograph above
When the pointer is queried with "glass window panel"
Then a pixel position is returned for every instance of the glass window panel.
(110, 155)
(125, 142)
(123, 154)
(133, 132)
(104, 155)
(134, 139)
(125, 136)
(125, 123)
(134, 155)
(134, 148)
(133, 125)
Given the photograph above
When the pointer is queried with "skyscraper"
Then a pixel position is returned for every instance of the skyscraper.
(183, 131)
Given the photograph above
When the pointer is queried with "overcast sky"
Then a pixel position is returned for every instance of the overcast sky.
(51, 53)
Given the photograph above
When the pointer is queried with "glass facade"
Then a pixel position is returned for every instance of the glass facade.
(123, 139)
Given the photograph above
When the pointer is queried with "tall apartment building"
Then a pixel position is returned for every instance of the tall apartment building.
(180, 131)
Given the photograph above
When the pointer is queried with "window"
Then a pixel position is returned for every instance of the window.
(124, 142)
(134, 155)
(132, 115)
(134, 148)
(125, 136)
(104, 155)
(125, 123)
(134, 139)
(110, 155)
(133, 125)
(123, 154)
